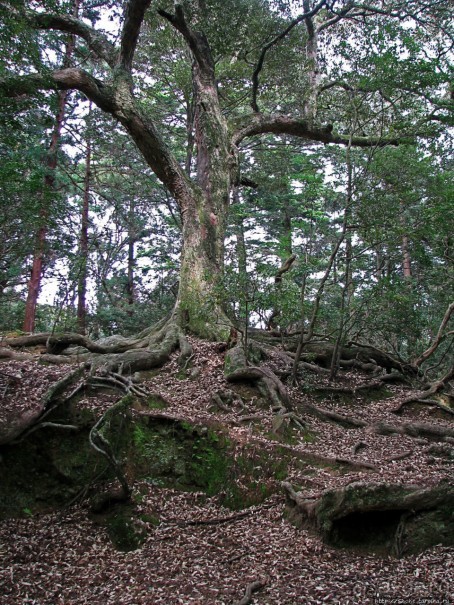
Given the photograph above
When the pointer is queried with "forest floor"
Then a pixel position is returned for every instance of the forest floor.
(201, 552)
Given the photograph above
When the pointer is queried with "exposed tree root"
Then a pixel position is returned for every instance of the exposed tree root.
(443, 450)
(114, 360)
(248, 418)
(100, 442)
(149, 349)
(30, 340)
(396, 519)
(185, 351)
(328, 415)
(56, 344)
(225, 399)
(413, 429)
(8, 354)
(331, 461)
(46, 358)
(42, 425)
(311, 367)
(11, 380)
(266, 380)
(360, 365)
(115, 380)
(374, 384)
(401, 456)
(358, 446)
(431, 389)
(430, 402)
(158, 349)
(321, 353)
(250, 589)
(217, 521)
(51, 400)
(289, 417)
(366, 386)
(53, 395)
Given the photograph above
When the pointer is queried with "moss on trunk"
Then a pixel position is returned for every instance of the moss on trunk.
(380, 518)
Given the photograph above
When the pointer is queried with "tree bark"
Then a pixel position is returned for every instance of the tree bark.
(204, 213)
(34, 284)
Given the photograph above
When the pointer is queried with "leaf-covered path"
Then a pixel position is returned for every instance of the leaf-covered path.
(196, 550)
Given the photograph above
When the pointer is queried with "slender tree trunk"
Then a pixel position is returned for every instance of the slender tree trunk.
(310, 105)
(406, 258)
(83, 246)
(344, 310)
(131, 257)
(34, 284)
(287, 233)
(379, 264)
(302, 340)
(306, 337)
(348, 281)
(405, 245)
(241, 255)
(286, 253)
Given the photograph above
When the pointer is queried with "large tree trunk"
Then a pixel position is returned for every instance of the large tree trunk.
(200, 301)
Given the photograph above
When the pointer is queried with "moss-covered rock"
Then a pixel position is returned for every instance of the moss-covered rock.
(177, 454)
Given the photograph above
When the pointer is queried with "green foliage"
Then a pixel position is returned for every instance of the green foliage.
(376, 75)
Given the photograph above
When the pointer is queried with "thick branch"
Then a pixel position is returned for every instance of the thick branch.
(286, 266)
(338, 16)
(439, 337)
(134, 15)
(156, 153)
(196, 41)
(122, 107)
(60, 79)
(280, 124)
(275, 40)
(96, 41)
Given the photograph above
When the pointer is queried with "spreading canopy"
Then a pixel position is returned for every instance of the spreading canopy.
(350, 73)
